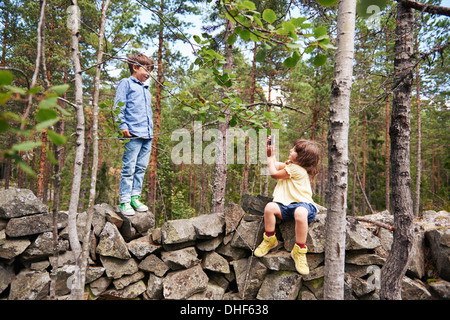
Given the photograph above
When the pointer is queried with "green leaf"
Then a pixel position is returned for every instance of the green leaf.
(56, 138)
(319, 60)
(25, 146)
(25, 167)
(269, 16)
(327, 3)
(260, 55)
(319, 32)
(48, 103)
(3, 125)
(6, 78)
(60, 89)
(45, 124)
(245, 34)
(46, 114)
(249, 5)
(231, 38)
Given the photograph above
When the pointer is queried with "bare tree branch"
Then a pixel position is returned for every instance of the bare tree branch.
(430, 8)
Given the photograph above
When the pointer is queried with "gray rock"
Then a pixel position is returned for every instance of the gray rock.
(11, 248)
(254, 204)
(43, 247)
(99, 286)
(212, 292)
(442, 288)
(30, 285)
(233, 214)
(280, 285)
(155, 265)
(116, 268)
(154, 288)
(414, 290)
(6, 276)
(249, 234)
(215, 262)
(142, 246)
(129, 292)
(208, 225)
(180, 285)
(112, 244)
(250, 273)
(15, 203)
(125, 281)
(439, 240)
(209, 244)
(177, 231)
(179, 259)
(34, 224)
(278, 260)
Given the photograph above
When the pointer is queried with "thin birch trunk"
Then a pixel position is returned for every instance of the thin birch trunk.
(92, 190)
(76, 290)
(338, 160)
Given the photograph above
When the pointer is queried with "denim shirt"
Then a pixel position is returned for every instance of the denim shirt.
(136, 113)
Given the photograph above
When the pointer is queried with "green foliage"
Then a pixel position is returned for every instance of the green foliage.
(44, 118)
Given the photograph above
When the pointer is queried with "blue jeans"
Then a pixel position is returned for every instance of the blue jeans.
(135, 160)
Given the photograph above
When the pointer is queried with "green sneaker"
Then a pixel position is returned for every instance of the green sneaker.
(126, 209)
(137, 205)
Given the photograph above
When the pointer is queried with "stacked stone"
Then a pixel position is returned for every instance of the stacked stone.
(205, 257)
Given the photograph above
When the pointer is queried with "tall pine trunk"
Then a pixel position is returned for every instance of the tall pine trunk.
(157, 113)
(338, 153)
(400, 132)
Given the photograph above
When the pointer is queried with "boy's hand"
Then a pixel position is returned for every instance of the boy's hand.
(126, 133)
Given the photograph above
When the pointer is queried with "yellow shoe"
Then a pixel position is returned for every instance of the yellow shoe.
(265, 246)
(299, 256)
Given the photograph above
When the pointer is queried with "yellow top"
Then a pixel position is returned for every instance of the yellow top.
(296, 188)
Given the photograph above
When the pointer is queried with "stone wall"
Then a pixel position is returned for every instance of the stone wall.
(205, 257)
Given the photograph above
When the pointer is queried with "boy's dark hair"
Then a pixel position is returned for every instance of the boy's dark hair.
(139, 59)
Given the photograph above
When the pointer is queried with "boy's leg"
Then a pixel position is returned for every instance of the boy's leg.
(129, 159)
(141, 165)
(271, 211)
(139, 173)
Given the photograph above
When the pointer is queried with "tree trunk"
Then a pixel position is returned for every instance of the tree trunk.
(400, 131)
(338, 152)
(92, 190)
(157, 113)
(247, 139)
(76, 290)
(220, 168)
(419, 139)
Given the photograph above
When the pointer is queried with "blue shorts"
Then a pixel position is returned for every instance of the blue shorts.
(287, 212)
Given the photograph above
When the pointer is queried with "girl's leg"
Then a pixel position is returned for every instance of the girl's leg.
(301, 224)
(298, 253)
(271, 212)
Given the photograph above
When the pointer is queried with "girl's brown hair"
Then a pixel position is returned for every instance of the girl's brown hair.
(307, 156)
